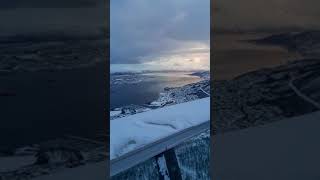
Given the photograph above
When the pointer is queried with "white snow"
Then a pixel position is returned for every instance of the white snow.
(114, 113)
(132, 132)
(288, 149)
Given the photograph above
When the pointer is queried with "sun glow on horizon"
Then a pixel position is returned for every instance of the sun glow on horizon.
(190, 56)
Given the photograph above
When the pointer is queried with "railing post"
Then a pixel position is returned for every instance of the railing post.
(172, 165)
(161, 166)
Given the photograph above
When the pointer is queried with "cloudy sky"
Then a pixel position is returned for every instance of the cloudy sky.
(274, 15)
(166, 34)
(33, 16)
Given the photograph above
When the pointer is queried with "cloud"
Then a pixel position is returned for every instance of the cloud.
(261, 14)
(144, 30)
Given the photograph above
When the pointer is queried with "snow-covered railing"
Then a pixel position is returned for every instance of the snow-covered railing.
(137, 138)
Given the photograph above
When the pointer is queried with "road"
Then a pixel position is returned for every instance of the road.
(205, 92)
(303, 96)
(135, 157)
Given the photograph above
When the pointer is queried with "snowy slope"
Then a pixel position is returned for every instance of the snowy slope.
(265, 96)
(15, 162)
(143, 128)
(287, 149)
(95, 171)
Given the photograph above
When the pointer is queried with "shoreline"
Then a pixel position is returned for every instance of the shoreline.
(153, 87)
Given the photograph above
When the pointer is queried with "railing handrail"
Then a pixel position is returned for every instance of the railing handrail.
(157, 147)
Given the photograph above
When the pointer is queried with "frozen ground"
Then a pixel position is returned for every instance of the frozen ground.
(150, 126)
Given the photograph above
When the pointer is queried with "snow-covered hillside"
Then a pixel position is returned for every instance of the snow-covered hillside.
(265, 95)
(147, 127)
(183, 94)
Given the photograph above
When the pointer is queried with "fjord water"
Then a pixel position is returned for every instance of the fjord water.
(45, 105)
(148, 89)
(233, 55)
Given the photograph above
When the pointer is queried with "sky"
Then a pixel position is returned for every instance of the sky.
(43, 16)
(266, 15)
(160, 35)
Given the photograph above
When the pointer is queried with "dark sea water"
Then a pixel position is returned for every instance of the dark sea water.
(234, 55)
(148, 89)
(42, 106)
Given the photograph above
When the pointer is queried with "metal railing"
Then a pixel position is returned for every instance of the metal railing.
(135, 157)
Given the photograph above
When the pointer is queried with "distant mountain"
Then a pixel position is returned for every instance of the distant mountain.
(202, 74)
(46, 37)
(132, 70)
(307, 43)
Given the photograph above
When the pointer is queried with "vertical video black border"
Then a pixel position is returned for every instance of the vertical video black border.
(107, 81)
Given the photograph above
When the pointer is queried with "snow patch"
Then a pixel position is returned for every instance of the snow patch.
(115, 113)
